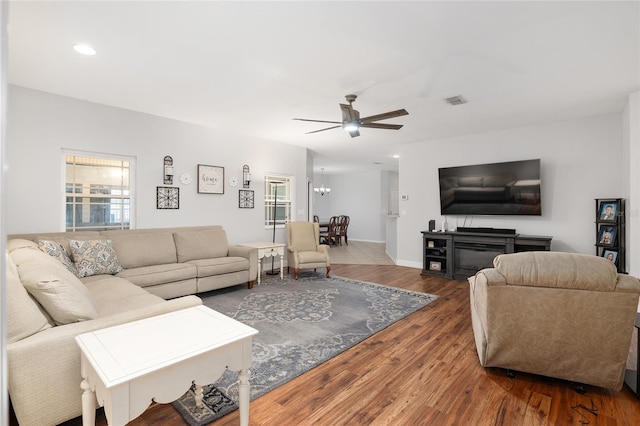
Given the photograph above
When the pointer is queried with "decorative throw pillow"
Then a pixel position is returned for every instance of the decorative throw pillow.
(56, 250)
(94, 257)
(24, 317)
(58, 291)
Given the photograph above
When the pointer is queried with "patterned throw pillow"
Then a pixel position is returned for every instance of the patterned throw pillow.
(56, 250)
(94, 257)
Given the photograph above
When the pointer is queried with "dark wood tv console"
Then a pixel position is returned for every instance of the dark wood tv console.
(459, 255)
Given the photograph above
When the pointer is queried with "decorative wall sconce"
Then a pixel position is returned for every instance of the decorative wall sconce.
(168, 170)
(322, 190)
(246, 176)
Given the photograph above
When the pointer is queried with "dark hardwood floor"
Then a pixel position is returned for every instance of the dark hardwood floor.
(422, 370)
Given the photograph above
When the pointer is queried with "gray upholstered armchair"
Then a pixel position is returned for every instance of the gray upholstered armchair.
(563, 315)
(304, 249)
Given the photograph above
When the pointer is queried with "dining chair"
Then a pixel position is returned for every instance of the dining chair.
(343, 226)
(329, 236)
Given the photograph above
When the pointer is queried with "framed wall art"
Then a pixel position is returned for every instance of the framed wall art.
(167, 197)
(246, 199)
(210, 179)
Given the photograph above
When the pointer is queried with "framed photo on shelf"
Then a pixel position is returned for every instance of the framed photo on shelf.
(611, 255)
(245, 199)
(608, 210)
(210, 179)
(607, 235)
(435, 266)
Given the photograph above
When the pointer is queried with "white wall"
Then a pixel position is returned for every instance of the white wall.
(631, 170)
(42, 124)
(580, 161)
(357, 195)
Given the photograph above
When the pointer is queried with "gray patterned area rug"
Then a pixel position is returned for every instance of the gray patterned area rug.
(301, 324)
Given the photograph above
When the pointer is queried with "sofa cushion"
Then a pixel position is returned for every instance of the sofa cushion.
(558, 270)
(114, 295)
(58, 291)
(220, 265)
(207, 244)
(24, 316)
(137, 249)
(311, 257)
(159, 274)
(57, 251)
(93, 257)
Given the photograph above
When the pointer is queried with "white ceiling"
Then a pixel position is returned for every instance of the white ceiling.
(250, 67)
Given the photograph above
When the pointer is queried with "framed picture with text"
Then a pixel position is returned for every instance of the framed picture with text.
(210, 179)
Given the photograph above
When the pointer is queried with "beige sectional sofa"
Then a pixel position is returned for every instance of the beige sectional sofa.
(48, 304)
(172, 262)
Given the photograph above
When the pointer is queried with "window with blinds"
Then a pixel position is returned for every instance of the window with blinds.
(98, 192)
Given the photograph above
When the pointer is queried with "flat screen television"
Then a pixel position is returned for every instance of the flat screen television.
(511, 188)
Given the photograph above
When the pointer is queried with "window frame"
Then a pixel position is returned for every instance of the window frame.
(287, 199)
(131, 198)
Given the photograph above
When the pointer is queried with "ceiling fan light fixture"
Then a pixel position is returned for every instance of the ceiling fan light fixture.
(351, 126)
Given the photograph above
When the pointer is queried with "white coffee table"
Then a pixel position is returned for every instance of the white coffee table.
(128, 366)
(268, 250)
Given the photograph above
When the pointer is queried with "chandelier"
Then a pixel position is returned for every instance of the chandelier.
(322, 190)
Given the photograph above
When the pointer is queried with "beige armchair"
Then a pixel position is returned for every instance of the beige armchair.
(563, 315)
(304, 249)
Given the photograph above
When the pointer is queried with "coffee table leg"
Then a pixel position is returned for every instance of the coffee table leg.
(88, 404)
(198, 395)
(243, 396)
(281, 266)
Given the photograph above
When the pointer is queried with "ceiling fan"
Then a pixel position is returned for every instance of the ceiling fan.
(351, 121)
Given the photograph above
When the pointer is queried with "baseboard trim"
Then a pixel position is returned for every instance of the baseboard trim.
(409, 264)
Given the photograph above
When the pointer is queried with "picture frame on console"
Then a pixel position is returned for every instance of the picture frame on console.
(608, 210)
(435, 266)
(607, 236)
(611, 255)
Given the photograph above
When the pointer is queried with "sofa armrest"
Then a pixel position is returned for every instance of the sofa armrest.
(324, 248)
(50, 360)
(628, 284)
(250, 253)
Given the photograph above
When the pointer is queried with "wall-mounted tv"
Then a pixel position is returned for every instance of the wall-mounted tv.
(511, 188)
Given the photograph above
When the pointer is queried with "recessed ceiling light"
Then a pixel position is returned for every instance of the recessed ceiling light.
(396, 156)
(84, 49)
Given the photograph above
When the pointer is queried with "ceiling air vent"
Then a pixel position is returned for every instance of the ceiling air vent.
(456, 100)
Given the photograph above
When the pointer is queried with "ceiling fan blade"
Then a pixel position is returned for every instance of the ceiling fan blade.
(322, 130)
(382, 126)
(317, 121)
(384, 116)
